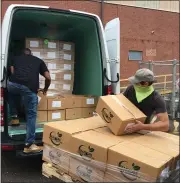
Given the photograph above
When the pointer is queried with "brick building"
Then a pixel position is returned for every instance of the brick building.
(147, 34)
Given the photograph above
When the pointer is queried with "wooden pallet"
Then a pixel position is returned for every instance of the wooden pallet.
(50, 171)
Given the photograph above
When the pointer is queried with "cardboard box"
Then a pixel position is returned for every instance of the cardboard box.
(92, 145)
(42, 102)
(73, 101)
(174, 138)
(136, 162)
(56, 103)
(66, 46)
(50, 54)
(161, 144)
(61, 86)
(56, 115)
(38, 52)
(42, 116)
(118, 112)
(32, 43)
(88, 171)
(59, 65)
(66, 56)
(89, 101)
(51, 45)
(58, 134)
(56, 157)
(88, 112)
(107, 131)
(74, 113)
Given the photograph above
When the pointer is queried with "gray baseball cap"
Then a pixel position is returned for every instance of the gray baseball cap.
(142, 75)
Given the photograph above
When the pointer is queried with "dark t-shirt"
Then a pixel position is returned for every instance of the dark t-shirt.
(26, 71)
(150, 105)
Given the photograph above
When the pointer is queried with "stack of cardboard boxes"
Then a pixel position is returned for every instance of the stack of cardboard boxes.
(87, 150)
(56, 108)
(59, 58)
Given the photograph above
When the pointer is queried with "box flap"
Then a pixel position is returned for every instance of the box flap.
(78, 125)
(107, 131)
(159, 144)
(96, 138)
(142, 154)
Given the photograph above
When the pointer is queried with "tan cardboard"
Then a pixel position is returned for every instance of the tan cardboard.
(51, 54)
(88, 112)
(34, 43)
(73, 101)
(56, 115)
(62, 86)
(74, 113)
(137, 161)
(57, 157)
(57, 102)
(66, 46)
(51, 45)
(174, 138)
(118, 112)
(92, 145)
(161, 144)
(59, 133)
(56, 64)
(107, 131)
(38, 52)
(42, 116)
(42, 102)
(81, 169)
(89, 101)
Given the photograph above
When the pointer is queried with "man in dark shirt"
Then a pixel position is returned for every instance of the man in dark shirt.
(142, 94)
(24, 82)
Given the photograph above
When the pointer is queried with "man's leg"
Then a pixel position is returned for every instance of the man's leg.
(13, 99)
(30, 102)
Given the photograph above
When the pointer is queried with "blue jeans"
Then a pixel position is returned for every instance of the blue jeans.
(30, 101)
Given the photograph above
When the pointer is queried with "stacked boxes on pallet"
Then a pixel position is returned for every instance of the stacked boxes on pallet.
(87, 149)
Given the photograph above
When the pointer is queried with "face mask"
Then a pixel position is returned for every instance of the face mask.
(143, 92)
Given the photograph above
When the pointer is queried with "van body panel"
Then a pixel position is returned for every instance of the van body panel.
(6, 26)
(112, 33)
(6, 37)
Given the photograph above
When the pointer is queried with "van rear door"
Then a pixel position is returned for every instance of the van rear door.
(112, 34)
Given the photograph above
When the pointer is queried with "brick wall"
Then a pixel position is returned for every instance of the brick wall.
(137, 25)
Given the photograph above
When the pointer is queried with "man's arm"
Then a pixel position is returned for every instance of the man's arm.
(45, 72)
(47, 81)
(161, 125)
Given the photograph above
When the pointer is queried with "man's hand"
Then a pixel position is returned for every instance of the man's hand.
(44, 91)
(135, 127)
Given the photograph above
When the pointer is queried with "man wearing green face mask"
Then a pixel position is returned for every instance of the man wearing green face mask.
(142, 94)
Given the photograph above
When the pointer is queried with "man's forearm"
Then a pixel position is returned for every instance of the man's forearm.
(47, 84)
(158, 126)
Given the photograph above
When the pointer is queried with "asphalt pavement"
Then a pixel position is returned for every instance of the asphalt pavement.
(22, 170)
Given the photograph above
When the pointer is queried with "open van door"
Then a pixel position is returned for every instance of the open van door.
(112, 34)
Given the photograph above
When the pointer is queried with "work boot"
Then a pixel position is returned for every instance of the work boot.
(15, 121)
(32, 148)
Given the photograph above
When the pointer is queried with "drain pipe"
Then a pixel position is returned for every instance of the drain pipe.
(102, 11)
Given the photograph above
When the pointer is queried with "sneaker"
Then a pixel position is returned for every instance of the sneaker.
(32, 149)
(15, 121)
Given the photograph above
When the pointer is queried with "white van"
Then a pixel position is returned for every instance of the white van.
(97, 58)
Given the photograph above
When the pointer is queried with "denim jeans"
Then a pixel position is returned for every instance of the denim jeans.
(30, 101)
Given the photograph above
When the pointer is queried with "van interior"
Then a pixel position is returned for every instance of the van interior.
(65, 26)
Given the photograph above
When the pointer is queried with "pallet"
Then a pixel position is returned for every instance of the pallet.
(49, 171)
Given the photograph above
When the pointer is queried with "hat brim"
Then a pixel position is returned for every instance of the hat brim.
(133, 80)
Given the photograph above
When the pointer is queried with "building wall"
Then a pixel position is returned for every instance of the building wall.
(168, 5)
(141, 29)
